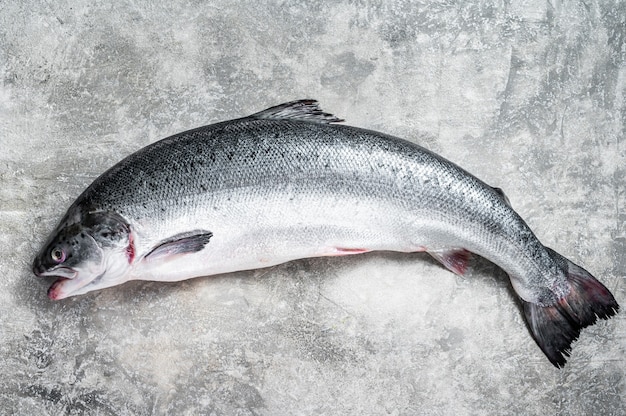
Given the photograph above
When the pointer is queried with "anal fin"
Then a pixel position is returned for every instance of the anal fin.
(454, 259)
(188, 242)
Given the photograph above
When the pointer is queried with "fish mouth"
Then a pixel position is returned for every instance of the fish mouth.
(65, 287)
(61, 272)
(55, 290)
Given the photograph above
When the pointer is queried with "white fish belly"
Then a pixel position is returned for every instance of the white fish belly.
(257, 232)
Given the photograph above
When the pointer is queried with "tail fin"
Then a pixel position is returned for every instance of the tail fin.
(555, 327)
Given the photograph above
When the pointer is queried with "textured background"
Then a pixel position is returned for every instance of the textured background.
(528, 95)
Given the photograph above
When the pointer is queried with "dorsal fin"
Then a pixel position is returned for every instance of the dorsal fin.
(502, 195)
(307, 110)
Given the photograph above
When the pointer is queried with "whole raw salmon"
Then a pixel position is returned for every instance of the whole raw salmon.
(287, 183)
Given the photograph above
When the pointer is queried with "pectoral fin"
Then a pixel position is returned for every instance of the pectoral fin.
(189, 242)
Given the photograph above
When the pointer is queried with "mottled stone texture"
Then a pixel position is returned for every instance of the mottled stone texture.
(528, 95)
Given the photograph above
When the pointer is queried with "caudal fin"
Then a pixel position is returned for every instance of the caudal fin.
(556, 327)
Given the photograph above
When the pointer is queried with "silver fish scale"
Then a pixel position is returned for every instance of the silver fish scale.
(193, 172)
(286, 184)
(252, 153)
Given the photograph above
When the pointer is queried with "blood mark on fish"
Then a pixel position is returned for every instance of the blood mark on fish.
(130, 250)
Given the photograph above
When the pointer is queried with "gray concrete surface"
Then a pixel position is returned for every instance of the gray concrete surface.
(527, 95)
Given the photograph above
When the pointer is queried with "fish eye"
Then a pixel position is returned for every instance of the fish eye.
(58, 255)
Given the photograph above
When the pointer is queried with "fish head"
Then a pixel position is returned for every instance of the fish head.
(85, 253)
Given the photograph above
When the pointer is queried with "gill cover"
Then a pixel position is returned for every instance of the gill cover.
(80, 252)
